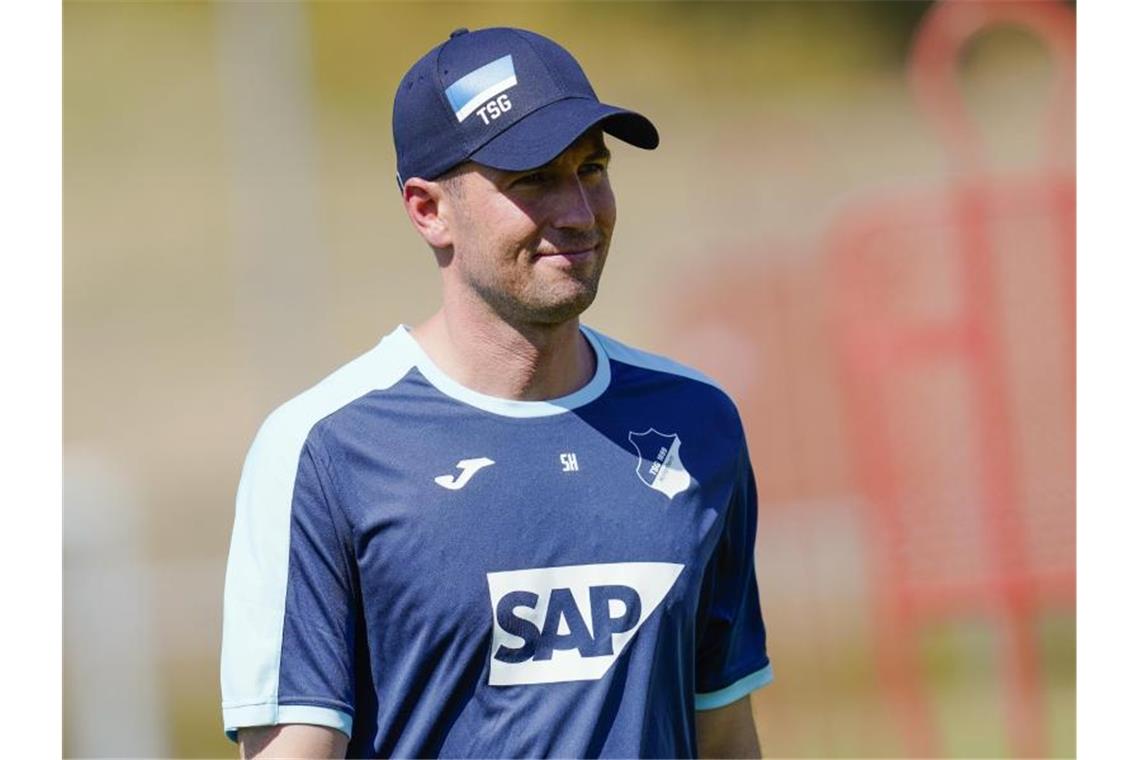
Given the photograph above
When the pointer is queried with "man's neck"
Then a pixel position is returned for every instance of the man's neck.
(521, 362)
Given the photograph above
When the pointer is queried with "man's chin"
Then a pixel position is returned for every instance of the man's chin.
(557, 311)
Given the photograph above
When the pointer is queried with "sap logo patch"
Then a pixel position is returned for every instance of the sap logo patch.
(570, 623)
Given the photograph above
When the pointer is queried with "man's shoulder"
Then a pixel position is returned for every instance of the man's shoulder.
(627, 354)
(379, 368)
(685, 378)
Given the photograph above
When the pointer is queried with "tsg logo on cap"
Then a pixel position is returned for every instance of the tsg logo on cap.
(478, 87)
(505, 98)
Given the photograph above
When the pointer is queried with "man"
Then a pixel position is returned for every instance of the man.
(499, 533)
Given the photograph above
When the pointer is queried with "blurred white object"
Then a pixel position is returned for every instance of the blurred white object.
(113, 703)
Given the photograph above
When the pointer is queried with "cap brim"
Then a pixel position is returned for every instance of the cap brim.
(542, 134)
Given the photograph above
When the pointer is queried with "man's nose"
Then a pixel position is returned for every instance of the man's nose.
(574, 209)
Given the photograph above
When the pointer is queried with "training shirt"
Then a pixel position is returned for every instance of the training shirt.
(438, 572)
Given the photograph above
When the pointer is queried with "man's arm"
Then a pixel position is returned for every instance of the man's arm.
(292, 740)
(727, 731)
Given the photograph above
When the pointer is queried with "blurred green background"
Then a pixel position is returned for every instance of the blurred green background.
(233, 233)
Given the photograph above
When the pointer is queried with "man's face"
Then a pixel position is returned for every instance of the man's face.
(532, 244)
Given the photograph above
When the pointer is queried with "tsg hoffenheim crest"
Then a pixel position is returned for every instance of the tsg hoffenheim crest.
(659, 463)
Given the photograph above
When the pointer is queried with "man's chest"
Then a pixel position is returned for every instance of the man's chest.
(504, 497)
(556, 543)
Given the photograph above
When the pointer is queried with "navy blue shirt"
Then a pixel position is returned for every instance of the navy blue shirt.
(438, 572)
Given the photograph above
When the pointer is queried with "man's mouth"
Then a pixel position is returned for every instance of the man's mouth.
(568, 254)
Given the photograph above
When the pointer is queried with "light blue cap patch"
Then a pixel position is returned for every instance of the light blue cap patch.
(482, 84)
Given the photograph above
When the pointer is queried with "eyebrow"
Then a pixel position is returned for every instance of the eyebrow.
(602, 152)
(596, 155)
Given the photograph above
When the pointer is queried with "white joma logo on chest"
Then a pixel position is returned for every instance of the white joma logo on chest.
(468, 467)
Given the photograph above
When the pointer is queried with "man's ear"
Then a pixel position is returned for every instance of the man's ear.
(429, 209)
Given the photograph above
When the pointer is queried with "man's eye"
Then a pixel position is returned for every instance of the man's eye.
(534, 178)
(593, 168)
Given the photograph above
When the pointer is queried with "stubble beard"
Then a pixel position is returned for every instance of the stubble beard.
(528, 299)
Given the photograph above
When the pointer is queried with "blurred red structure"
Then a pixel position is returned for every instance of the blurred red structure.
(899, 348)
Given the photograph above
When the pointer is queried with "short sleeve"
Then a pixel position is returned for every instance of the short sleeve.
(288, 626)
(732, 657)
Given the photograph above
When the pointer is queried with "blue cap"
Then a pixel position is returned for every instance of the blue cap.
(506, 98)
